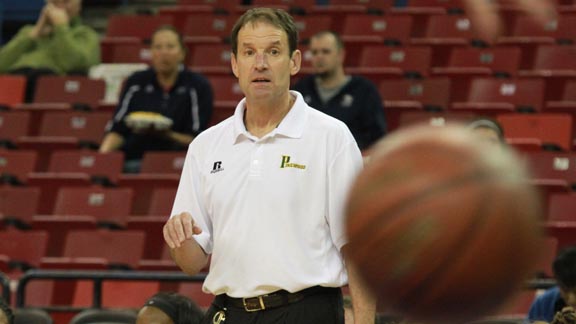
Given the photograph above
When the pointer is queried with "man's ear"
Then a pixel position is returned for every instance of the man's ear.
(295, 62)
(234, 64)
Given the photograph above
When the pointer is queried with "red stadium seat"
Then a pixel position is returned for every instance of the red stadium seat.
(109, 206)
(208, 28)
(19, 204)
(566, 104)
(13, 90)
(562, 207)
(555, 64)
(552, 171)
(405, 94)
(138, 26)
(227, 93)
(312, 24)
(487, 61)
(69, 89)
(49, 184)
(87, 127)
(221, 5)
(13, 125)
(162, 201)
(445, 33)
(379, 62)
(23, 249)
(100, 247)
(549, 129)
(17, 164)
(152, 226)
(211, 59)
(124, 50)
(369, 4)
(179, 14)
(491, 96)
(437, 119)
(448, 4)
(364, 28)
(561, 222)
(143, 186)
(163, 162)
(95, 164)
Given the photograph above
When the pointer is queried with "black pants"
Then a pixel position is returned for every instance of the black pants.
(323, 308)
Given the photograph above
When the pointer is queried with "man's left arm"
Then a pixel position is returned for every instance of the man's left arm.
(345, 166)
(363, 300)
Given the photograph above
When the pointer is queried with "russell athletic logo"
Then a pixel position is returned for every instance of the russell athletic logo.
(286, 163)
(217, 167)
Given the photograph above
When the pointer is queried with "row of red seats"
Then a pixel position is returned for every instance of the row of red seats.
(437, 30)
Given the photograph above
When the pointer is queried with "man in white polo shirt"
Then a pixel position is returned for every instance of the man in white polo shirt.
(263, 193)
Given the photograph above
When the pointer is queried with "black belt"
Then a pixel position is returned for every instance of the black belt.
(273, 300)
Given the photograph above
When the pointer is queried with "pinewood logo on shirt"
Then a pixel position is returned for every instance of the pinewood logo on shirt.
(286, 163)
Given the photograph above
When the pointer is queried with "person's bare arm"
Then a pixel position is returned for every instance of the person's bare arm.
(180, 138)
(485, 14)
(363, 301)
(111, 142)
(184, 249)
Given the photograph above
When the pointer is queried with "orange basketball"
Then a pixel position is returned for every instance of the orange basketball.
(442, 225)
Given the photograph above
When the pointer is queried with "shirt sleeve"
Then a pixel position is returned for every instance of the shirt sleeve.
(75, 48)
(11, 52)
(341, 174)
(189, 199)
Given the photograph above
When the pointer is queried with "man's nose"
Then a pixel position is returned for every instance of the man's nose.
(261, 60)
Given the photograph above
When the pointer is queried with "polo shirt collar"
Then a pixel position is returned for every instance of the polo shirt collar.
(291, 126)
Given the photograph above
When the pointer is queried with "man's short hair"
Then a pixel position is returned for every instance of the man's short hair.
(564, 268)
(275, 17)
(337, 38)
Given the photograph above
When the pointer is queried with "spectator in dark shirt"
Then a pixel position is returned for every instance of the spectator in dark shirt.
(168, 89)
(351, 99)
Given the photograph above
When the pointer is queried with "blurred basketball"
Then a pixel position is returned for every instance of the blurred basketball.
(442, 225)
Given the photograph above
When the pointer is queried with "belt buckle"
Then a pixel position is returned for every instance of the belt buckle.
(259, 306)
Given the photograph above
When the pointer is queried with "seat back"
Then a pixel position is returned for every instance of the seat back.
(554, 129)
(96, 164)
(555, 57)
(163, 162)
(162, 201)
(14, 124)
(85, 126)
(26, 247)
(123, 248)
(19, 203)
(140, 26)
(432, 92)
(69, 89)
(391, 28)
(522, 93)
(411, 60)
(17, 163)
(497, 59)
(13, 89)
(107, 205)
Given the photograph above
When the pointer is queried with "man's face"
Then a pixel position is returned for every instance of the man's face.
(167, 54)
(72, 7)
(263, 63)
(569, 295)
(326, 57)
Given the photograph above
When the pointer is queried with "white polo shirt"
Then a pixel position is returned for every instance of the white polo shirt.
(271, 208)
